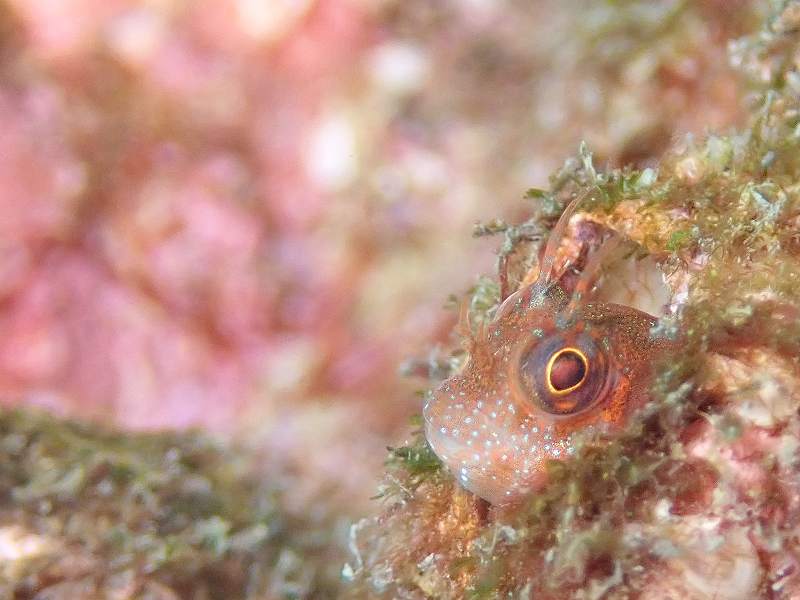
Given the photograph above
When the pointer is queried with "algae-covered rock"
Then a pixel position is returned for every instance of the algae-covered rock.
(699, 495)
(88, 512)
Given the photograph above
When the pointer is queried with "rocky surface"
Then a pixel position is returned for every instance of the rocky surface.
(698, 497)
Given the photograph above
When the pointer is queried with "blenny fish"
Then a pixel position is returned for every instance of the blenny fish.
(549, 364)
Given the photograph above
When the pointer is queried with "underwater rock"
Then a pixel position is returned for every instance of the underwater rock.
(91, 512)
(698, 494)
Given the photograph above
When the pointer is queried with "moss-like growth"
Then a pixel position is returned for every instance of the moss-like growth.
(87, 512)
(714, 454)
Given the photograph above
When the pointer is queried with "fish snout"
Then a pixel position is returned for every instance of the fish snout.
(489, 448)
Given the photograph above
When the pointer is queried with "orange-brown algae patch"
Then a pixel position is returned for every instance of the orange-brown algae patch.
(432, 533)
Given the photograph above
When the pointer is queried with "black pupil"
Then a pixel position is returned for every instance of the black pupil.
(568, 370)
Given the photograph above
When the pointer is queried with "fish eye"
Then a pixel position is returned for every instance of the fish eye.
(566, 371)
(562, 375)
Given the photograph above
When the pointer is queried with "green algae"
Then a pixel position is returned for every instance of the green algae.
(105, 513)
(410, 466)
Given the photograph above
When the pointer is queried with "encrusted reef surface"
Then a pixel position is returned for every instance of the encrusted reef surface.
(699, 496)
(88, 512)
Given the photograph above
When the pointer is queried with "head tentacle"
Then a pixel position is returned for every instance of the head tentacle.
(557, 235)
(591, 273)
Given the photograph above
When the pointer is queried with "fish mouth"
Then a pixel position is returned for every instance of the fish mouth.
(496, 476)
(488, 456)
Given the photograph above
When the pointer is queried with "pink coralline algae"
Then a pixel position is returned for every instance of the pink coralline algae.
(155, 207)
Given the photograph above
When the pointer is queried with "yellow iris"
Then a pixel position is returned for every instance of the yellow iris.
(549, 371)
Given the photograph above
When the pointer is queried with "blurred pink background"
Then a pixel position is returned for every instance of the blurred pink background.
(243, 215)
